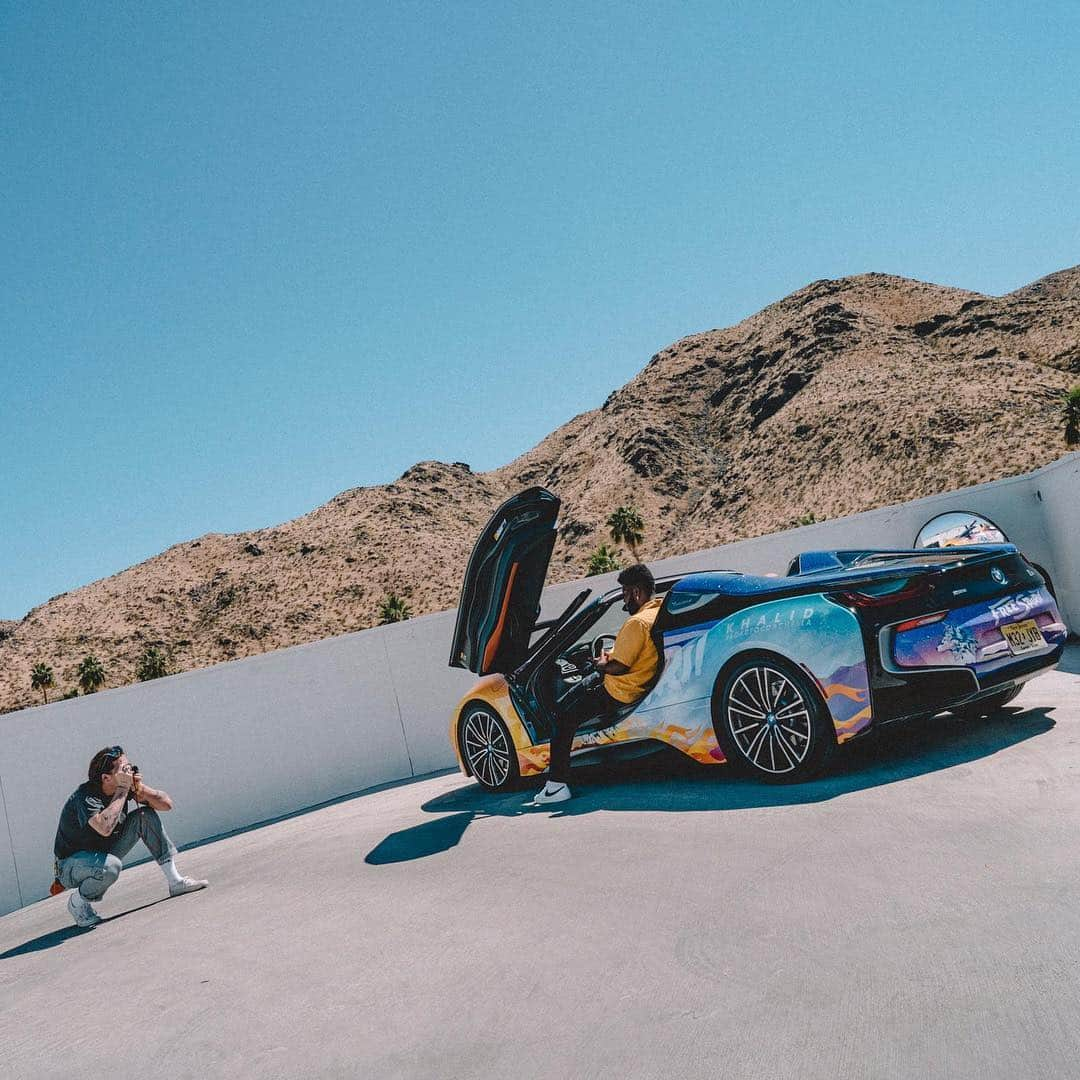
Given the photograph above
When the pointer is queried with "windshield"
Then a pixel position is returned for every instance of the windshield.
(609, 623)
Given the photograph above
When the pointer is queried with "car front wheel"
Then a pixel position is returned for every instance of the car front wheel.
(770, 721)
(488, 749)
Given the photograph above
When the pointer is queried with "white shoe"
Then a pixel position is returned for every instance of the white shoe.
(80, 910)
(186, 885)
(551, 794)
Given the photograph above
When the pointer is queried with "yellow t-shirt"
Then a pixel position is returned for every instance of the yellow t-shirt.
(634, 647)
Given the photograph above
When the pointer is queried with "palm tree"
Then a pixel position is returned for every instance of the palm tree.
(627, 528)
(393, 609)
(91, 674)
(151, 665)
(603, 561)
(1071, 406)
(41, 678)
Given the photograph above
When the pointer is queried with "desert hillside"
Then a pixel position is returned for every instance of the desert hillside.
(846, 395)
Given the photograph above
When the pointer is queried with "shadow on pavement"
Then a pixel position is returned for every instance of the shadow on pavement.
(671, 782)
(58, 937)
(429, 838)
(46, 941)
(1070, 662)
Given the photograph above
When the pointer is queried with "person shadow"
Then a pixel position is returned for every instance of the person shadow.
(58, 937)
(670, 782)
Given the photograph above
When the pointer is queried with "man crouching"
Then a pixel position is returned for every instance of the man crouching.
(96, 832)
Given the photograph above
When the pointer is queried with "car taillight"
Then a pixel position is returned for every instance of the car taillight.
(923, 620)
(881, 596)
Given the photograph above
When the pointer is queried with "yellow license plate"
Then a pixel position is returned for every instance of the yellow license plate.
(1023, 636)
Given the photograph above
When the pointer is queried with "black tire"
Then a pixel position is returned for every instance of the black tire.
(750, 706)
(987, 706)
(487, 748)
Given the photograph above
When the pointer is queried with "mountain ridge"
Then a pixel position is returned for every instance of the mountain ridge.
(847, 394)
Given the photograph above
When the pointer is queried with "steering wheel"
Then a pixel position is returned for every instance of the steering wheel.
(603, 643)
(579, 657)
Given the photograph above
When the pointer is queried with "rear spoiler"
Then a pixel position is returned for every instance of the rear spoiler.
(810, 562)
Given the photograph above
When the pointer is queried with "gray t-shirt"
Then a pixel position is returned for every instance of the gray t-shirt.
(74, 832)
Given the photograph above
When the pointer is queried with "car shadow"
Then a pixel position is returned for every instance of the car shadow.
(669, 782)
(1070, 661)
(57, 937)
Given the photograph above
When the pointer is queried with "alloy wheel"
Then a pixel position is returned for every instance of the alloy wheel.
(487, 748)
(769, 719)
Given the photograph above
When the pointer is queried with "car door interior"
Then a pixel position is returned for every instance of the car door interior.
(575, 663)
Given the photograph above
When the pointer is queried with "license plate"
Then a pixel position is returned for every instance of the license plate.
(1023, 636)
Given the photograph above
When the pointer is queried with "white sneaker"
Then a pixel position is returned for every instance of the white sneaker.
(186, 885)
(80, 910)
(545, 795)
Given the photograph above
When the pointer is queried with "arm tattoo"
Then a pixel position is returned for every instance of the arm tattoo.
(110, 815)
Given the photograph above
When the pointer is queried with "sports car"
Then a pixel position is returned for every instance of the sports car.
(768, 674)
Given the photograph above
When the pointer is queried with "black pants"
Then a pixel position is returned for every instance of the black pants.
(591, 704)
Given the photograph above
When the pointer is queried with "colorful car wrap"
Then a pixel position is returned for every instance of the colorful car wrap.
(883, 635)
(972, 636)
(679, 710)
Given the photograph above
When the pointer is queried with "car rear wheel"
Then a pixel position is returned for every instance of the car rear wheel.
(488, 749)
(771, 723)
(987, 706)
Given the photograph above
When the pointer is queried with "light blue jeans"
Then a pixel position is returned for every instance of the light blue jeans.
(94, 872)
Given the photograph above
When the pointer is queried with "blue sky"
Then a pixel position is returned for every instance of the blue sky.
(252, 255)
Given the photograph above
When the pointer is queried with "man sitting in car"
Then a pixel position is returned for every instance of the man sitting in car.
(628, 669)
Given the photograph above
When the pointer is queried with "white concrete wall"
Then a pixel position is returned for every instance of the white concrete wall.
(254, 739)
(233, 744)
(1057, 490)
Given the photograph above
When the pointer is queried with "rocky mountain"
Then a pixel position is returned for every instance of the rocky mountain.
(846, 395)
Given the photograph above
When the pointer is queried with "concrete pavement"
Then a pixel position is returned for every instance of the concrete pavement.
(914, 914)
